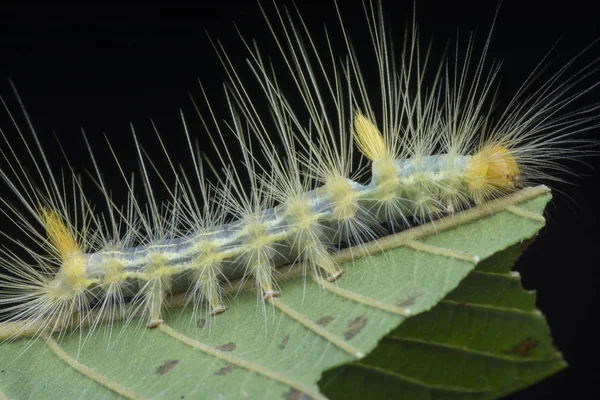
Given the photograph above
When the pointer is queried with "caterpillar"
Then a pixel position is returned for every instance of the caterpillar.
(430, 149)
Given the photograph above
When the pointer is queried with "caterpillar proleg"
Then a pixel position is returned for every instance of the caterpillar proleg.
(331, 148)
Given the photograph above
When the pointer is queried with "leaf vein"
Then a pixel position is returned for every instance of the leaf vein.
(471, 350)
(324, 333)
(248, 365)
(525, 213)
(535, 313)
(89, 372)
(441, 251)
(359, 298)
(496, 275)
(417, 382)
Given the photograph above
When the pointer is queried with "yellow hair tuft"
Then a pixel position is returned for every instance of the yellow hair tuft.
(73, 268)
(58, 233)
(492, 169)
(368, 138)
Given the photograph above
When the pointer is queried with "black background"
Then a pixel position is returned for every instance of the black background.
(101, 68)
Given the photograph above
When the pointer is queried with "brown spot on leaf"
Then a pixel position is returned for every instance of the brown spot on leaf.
(284, 342)
(201, 323)
(526, 243)
(167, 366)
(225, 370)
(295, 394)
(409, 301)
(524, 347)
(227, 347)
(324, 321)
(355, 326)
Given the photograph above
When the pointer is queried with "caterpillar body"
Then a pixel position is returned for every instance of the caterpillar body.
(433, 150)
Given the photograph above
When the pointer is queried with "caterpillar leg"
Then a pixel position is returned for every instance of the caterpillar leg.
(258, 258)
(154, 323)
(155, 289)
(336, 276)
(263, 273)
(307, 240)
(220, 309)
(207, 287)
(323, 260)
(154, 298)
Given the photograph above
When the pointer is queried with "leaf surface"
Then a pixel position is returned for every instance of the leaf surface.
(280, 349)
(485, 339)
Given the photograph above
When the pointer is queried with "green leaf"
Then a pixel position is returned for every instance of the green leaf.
(280, 349)
(484, 340)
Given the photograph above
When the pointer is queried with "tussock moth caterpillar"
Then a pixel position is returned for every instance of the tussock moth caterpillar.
(436, 166)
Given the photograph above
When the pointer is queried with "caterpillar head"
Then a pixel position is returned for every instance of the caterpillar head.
(492, 170)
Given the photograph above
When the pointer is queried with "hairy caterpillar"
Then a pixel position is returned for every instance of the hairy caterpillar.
(330, 170)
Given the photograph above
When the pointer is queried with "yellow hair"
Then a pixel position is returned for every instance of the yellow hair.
(58, 233)
(368, 138)
(491, 170)
(73, 264)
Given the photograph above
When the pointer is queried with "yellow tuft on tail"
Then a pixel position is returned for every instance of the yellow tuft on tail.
(491, 170)
(368, 138)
